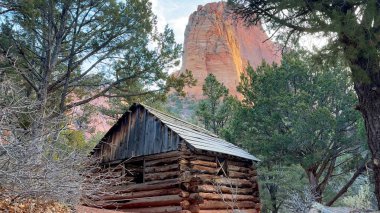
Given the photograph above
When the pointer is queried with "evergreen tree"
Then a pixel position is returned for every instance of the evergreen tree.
(353, 29)
(87, 49)
(300, 113)
(216, 109)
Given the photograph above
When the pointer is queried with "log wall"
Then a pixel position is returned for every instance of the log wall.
(162, 189)
(184, 181)
(209, 192)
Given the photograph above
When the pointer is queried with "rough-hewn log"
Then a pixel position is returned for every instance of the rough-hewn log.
(160, 209)
(184, 194)
(204, 157)
(233, 174)
(239, 169)
(186, 186)
(229, 211)
(223, 189)
(246, 164)
(144, 202)
(203, 169)
(152, 185)
(183, 161)
(212, 164)
(224, 181)
(194, 208)
(228, 197)
(212, 204)
(234, 182)
(253, 178)
(184, 167)
(186, 176)
(195, 198)
(147, 158)
(185, 204)
(172, 160)
(258, 206)
(150, 193)
(165, 168)
(161, 176)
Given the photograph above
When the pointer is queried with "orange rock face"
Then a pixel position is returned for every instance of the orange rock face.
(216, 43)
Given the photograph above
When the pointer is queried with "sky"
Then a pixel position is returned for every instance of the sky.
(175, 13)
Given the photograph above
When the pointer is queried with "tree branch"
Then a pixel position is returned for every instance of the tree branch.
(344, 189)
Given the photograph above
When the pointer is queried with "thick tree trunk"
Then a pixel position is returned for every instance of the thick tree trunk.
(369, 106)
(313, 182)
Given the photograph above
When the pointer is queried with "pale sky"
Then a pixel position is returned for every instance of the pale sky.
(175, 13)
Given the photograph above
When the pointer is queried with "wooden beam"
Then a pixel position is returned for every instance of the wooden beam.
(161, 176)
(144, 202)
(223, 189)
(152, 185)
(138, 194)
(211, 164)
(229, 197)
(203, 169)
(162, 161)
(160, 209)
(212, 204)
(165, 168)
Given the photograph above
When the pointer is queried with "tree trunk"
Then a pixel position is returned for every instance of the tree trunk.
(369, 106)
(273, 188)
(313, 181)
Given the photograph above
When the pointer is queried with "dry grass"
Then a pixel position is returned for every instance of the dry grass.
(32, 206)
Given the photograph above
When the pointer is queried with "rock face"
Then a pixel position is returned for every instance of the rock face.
(216, 43)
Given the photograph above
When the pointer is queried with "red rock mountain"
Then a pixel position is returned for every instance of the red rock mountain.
(218, 44)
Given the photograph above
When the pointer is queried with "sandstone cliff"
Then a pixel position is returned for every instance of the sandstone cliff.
(216, 43)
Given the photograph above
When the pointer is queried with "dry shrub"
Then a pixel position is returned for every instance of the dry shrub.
(32, 206)
(34, 163)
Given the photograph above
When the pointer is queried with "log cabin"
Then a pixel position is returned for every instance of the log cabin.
(160, 163)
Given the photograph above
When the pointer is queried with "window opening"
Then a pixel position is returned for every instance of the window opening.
(135, 170)
(222, 169)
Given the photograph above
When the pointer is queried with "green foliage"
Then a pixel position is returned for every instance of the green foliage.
(181, 107)
(90, 49)
(276, 182)
(353, 32)
(352, 28)
(216, 109)
(75, 140)
(299, 109)
(303, 114)
(363, 198)
(94, 140)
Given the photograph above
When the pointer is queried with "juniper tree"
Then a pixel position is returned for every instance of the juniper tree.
(353, 29)
(300, 113)
(86, 48)
(216, 109)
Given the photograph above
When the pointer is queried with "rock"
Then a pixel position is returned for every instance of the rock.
(216, 43)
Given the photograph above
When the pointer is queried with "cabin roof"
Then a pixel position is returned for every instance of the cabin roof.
(198, 137)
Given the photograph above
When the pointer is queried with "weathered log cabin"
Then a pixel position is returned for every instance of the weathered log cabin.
(163, 164)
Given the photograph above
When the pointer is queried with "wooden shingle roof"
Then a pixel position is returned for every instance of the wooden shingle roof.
(195, 136)
(198, 137)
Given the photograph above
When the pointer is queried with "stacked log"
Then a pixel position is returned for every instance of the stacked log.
(160, 190)
(223, 194)
(183, 181)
